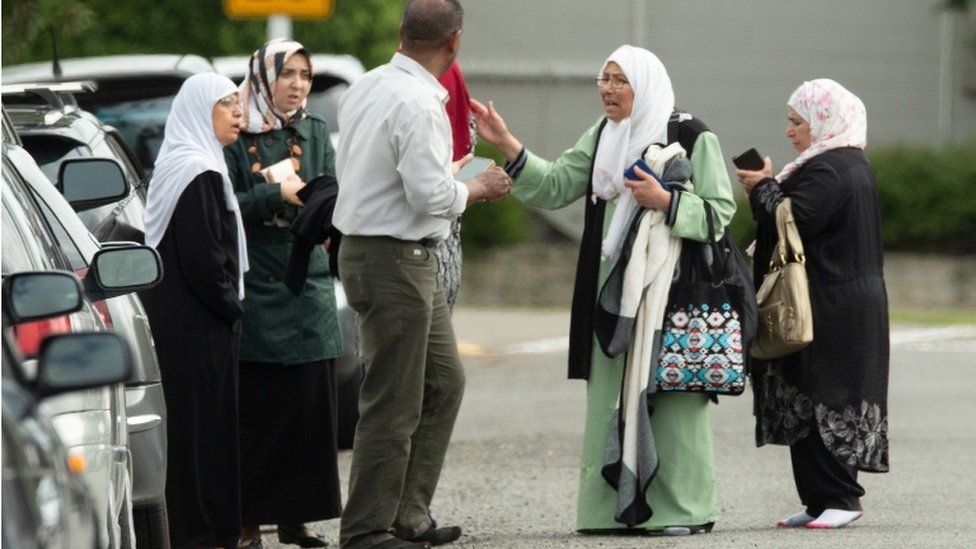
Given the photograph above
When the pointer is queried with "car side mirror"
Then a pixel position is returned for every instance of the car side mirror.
(40, 294)
(88, 183)
(121, 270)
(80, 360)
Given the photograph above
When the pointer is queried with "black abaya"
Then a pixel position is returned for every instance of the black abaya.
(195, 317)
(837, 387)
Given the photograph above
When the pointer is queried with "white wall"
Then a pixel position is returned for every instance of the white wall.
(732, 63)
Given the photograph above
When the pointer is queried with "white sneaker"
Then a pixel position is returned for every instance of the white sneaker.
(795, 520)
(835, 518)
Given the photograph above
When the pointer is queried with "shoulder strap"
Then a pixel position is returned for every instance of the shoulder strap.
(685, 129)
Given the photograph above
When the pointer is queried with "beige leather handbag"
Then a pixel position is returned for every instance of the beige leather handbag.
(785, 316)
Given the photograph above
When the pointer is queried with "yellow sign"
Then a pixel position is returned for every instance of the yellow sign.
(310, 9)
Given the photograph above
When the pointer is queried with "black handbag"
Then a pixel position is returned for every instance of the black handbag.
(710, 319)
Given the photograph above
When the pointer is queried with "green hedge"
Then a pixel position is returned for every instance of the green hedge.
(928, 199)
(928, 203)
(494, 223)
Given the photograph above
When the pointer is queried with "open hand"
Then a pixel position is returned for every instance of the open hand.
(492, 128)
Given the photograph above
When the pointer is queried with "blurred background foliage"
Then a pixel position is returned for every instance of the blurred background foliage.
(364, 28)
(926, 192)
(927, 198)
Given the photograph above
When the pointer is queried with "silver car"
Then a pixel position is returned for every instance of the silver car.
(42, 232)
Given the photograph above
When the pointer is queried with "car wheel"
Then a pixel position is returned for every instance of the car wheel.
(348, 411)
(152, 526)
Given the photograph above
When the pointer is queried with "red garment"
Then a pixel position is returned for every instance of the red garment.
(458, 110)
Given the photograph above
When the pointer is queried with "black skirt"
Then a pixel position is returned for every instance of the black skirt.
(289, 470)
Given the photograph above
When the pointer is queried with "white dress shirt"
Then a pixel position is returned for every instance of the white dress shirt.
(394, 157)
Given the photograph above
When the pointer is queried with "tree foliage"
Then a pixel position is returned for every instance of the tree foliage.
(364, 28)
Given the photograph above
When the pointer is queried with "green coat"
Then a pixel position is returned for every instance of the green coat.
(279, 327)
(683, 492)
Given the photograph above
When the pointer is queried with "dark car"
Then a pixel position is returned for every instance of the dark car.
(50, 235)
(46, 502)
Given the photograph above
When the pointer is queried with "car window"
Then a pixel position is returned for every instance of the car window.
(62, 239)
(124, 154)
(50, 150)
(141, 124)
(26, 242)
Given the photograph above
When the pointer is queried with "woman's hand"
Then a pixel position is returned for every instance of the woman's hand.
(648, 191)
(492, 128)
(749, 179)
(289, 187)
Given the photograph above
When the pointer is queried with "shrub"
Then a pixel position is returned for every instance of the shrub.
(928, 197)
(496, 223)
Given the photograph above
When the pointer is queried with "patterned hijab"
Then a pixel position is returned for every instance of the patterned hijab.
(257, 100)
(836, 116)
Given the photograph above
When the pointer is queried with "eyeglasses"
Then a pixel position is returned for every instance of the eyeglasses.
(615, 82)
(230, 102)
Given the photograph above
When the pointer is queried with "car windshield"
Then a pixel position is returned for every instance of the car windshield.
(140, 122)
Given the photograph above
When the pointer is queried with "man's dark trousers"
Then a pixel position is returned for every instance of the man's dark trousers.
(411, 392)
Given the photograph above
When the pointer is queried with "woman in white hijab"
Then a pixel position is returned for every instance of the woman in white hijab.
(673, 490)
(192, 219)
(828, 402)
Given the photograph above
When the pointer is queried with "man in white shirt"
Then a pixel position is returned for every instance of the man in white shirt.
(397, 197)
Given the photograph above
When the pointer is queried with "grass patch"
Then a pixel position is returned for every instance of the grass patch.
(933, 317)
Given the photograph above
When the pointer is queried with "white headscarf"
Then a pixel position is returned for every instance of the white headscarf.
(190, 147)
(836, 116)
(622, 143)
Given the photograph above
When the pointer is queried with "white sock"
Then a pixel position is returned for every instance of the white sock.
(795, 520)
(835, 518)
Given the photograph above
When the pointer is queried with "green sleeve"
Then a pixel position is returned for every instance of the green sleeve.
(258, 200)
(553, 185)
(712, 184)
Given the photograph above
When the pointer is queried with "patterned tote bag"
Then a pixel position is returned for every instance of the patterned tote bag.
(710, 317)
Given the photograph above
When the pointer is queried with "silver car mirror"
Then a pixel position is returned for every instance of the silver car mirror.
(121, 270)
(88, 183)
(69, 362)
(40, 294)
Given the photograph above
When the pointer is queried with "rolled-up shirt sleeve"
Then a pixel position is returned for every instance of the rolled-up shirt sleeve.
(425, 164)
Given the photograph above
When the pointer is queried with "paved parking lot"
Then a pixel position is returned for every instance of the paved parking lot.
(510, 478)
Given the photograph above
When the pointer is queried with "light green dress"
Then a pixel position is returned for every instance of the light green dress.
(683, 492)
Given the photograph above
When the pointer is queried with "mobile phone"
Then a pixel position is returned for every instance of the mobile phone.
(749, 160)
(474, 168)
(639, 163)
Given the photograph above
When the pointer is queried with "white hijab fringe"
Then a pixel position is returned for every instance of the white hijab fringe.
(190, 147)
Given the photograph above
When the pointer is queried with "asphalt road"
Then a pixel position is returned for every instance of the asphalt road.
(510, 477)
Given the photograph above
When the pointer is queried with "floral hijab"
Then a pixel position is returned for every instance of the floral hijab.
(836, 116)
(257, 100)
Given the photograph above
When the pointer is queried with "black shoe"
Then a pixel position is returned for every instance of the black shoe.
(397, 543)
(439, 536)
(298, 535)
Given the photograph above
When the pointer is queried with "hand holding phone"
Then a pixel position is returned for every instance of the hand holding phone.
(473, 168)
(632, 175)
(749, 160)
